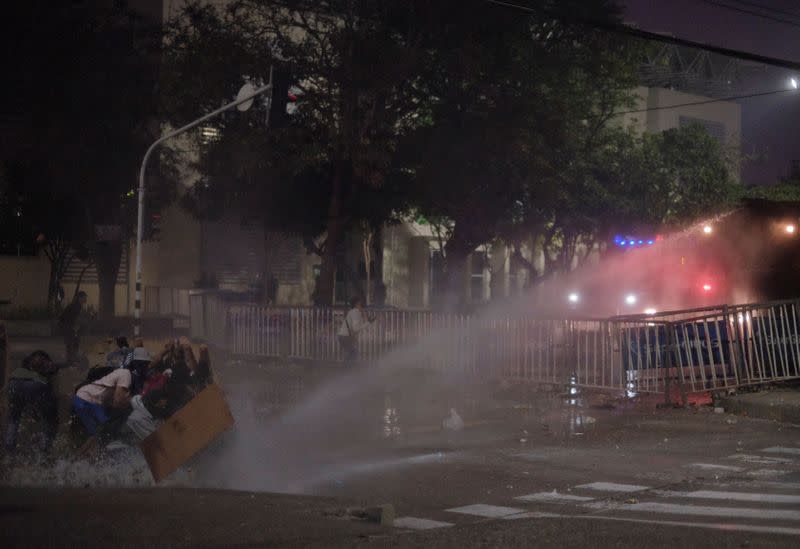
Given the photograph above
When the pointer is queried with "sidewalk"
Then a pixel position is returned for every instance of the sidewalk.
(174, 517)
(777, 404)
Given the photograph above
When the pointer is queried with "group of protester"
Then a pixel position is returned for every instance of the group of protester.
(127, 397)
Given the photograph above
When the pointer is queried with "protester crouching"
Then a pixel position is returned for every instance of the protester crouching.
(98, 402)
(139, 365)
(30, 390)
(176, 377)
(116, 358)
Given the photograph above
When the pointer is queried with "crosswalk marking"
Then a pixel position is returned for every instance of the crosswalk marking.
(776, 484)
(532, 514)
(554, 497)
(764, 473)
(414, 523)
(760, 459)
(714, 466)
(782, 450)
(488, 511)
(613, 487)
(727, 526)
(697, 510)
(731, 496)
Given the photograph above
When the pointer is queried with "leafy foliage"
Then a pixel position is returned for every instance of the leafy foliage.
(89, 104)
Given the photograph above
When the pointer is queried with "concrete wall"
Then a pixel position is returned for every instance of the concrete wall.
(396, 273)
(23, 280)
(300, 294)
(178, 249)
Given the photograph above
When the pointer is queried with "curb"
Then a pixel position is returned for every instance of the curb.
(786, 413)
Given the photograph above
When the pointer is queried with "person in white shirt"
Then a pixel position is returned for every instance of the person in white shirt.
(94, 402)
(353, 324)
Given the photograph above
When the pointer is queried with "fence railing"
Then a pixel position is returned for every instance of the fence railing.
(702, 349)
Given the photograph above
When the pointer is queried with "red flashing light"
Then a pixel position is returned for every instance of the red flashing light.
(707, 287)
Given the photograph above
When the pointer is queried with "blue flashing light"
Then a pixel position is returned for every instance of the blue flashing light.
(632, 243)
(640, 242)
(649, 242)
(622, 243)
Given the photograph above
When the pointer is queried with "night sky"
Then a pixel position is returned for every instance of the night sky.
(769, 124)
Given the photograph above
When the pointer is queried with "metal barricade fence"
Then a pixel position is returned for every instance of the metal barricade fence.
(709, 349)
(701, 349)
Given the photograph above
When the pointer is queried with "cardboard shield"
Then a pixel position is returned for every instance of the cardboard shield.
(188, 431)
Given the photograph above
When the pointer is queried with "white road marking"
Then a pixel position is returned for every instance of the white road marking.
(782, 450)
(414, 523)
(777, 484)
(532, 514)
(613, 487)
(554, 497)
(764, 473)
(727, 526)
(730, 496)
(760, 459)
(483, 510)
(697, 510)
(714, 466)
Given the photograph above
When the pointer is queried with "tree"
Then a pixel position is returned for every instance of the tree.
(88, 77)
(650, 183)
(785, 190)
(353, 105)
(515, 105)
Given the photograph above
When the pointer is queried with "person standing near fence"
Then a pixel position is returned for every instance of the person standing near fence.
(70, 325)
(353, 324)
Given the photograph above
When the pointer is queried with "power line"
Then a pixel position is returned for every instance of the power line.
(767, 9)
(704, 102)
(751, 12)
(646, 35)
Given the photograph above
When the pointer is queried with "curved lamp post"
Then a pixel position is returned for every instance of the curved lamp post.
(244, 100)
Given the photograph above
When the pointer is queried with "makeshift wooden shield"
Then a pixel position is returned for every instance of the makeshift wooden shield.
(188, 431)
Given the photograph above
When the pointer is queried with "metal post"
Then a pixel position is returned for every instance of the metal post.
(140, 216)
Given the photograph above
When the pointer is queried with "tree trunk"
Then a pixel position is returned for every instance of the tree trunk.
(52, 287)
(323, 293)
(107, 256)
(456, 252)
(59, 256)
(367, 249)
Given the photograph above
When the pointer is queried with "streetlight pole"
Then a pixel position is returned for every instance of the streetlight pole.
(246, 94)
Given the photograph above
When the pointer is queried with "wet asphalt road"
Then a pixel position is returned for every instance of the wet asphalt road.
(538, 471)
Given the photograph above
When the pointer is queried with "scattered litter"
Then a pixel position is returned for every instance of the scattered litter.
(523, 440)
(588, 420)
(631, 501)
(731, 421)
(719, 410)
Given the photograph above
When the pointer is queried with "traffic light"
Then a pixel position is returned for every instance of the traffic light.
(284, 98)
